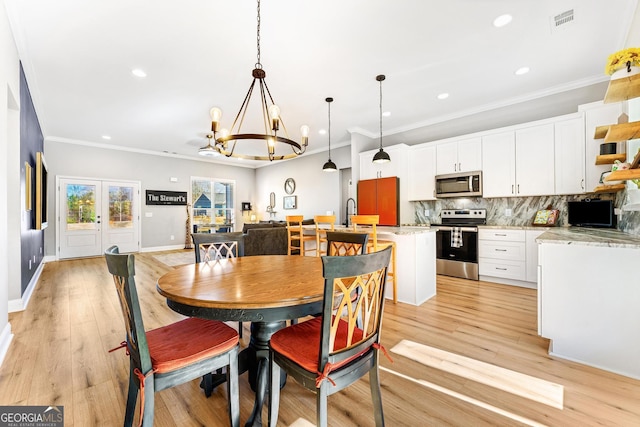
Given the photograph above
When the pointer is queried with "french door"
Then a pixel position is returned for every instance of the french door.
(96, 214)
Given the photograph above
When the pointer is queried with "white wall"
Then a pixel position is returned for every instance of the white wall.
(317, 191)
(154, 173)
(9, 137)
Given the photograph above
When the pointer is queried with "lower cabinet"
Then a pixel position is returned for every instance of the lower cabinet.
(502, 253)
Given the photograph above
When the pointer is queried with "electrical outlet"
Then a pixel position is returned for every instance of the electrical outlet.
(426, 212)
(173, 237)
(507, 212)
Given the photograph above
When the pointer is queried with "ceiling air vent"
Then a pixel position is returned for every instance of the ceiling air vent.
(561, 20)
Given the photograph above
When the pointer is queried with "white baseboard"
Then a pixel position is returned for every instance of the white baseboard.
(162, 248)
(20, 304)
(5, 339)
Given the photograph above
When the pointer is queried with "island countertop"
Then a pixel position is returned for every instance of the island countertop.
(589, 237)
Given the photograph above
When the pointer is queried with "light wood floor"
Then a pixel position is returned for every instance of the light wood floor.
(59, 356)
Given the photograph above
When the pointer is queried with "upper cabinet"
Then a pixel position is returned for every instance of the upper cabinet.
(519, 163)
(396, 167)
(569, 156)
(459, 156)
(422, 172)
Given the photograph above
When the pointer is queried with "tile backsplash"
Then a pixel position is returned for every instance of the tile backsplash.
(523, 209)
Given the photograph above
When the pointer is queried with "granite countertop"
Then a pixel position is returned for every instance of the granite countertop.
(515, 227)
(589, 237)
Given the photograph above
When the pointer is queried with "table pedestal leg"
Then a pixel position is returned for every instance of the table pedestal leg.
(258, 371)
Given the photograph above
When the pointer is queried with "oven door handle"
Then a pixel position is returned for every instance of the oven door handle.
(467, 229)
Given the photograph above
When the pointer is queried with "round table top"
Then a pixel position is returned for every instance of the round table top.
(253, 282)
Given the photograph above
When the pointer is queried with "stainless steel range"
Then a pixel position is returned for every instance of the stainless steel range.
(457, 242)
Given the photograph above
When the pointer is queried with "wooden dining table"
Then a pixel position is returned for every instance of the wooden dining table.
(266, 290)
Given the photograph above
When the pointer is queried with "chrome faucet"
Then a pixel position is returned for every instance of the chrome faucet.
(355, 212)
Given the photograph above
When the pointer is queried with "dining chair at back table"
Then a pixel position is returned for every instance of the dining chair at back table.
(330, 352)
(216, 246)
(173, 354)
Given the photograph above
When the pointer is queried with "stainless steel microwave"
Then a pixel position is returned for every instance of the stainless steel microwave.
(462, 184)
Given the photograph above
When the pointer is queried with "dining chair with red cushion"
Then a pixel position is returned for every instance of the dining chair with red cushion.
(330, 352)
(173, 354)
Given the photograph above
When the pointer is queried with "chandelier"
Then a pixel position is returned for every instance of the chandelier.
(223, 141)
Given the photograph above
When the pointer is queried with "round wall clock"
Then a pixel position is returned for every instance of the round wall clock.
(289, 186)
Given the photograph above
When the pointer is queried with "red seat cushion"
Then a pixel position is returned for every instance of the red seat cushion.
(188, 341)
(301, 343)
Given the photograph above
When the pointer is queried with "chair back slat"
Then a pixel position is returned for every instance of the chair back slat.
(122, 267)
(372, 220)
(354, 289)
(324, 223)
(212, 247)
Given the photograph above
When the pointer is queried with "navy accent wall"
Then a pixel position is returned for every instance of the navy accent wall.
(31, 141)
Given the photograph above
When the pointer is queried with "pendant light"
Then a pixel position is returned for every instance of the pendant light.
(329, 166)
(381, 156)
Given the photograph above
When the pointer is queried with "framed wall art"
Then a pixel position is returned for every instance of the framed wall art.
(28, 186)
(290, 202)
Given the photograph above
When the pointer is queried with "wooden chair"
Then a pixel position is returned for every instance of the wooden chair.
(341, 243)
(295, 233)
(375, 245)
(329, 353)
(321, 233)
(173, 354)
(216, 246)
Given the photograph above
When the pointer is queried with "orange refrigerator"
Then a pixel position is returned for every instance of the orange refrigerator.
(380, 196)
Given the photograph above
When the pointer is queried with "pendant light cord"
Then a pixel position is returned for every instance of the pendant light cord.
(329, 128)
(380, 113)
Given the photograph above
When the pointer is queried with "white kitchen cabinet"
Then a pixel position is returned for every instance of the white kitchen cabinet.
(570, 156)
(501, 253)
(535, 169)
(459, 156)
(422, 171)
(519, 163)
(498, 165)
(597, 114)
(396, 167)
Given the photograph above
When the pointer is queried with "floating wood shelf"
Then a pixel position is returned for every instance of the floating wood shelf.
(609, 188)
(623, 132)
(601, 131)
(623, 175)
(623, 89)
(609, 159)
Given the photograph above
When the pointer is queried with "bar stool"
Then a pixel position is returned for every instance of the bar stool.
(376, 245)
(321, 233)
(295, 233)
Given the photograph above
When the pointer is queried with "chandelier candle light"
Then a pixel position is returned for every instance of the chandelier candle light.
(329, 166)
(381, 156)
(224, 141)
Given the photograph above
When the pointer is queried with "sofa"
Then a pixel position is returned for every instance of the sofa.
(267, 238)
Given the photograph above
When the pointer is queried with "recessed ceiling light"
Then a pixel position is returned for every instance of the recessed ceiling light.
(443, 96)
(138, 72)
(322, 131)
(106, 137)
(502, 20)
(386, 114)
(522, 70)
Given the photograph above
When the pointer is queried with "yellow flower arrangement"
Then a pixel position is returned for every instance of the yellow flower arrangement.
(619, 59)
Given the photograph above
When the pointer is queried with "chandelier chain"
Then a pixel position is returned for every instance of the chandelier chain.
(258, 64)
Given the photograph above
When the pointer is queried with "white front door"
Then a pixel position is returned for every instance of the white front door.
(95, 215)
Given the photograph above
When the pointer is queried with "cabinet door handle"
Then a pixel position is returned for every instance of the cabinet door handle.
(501, 250)
(460, 167)
(518, 188)
(503, 269)
(455, 167)
(582, 183)
(512, 192)
(500, 235)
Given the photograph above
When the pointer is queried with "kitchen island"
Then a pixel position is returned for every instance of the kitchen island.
(589, 298)
(415, 260)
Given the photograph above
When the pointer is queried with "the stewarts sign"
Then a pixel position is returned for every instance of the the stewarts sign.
(159, 197)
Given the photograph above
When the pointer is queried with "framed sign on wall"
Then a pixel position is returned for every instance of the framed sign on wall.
(290, 202)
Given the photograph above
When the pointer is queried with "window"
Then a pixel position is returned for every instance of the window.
(212, 201)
